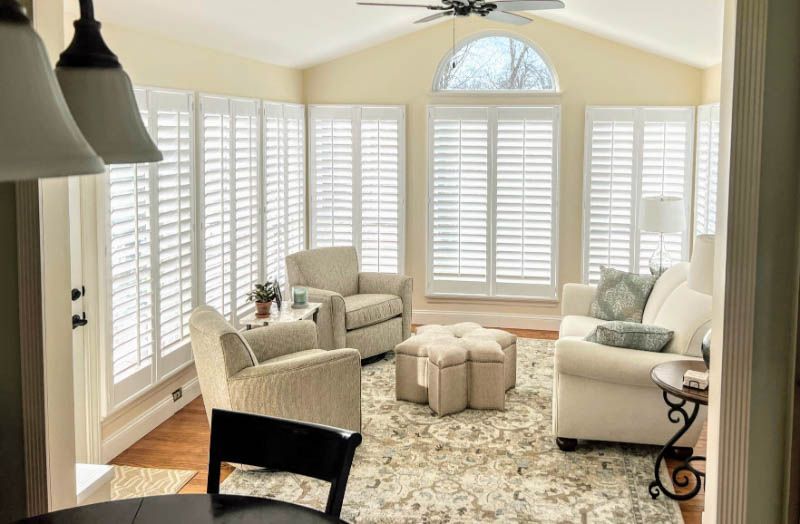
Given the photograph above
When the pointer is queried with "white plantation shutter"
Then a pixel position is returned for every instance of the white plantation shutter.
(609, 207)
(706, 170)
(331, 169)
(525, 234)
(216, 208)
(631, 153)
(284, 186)
(150, 250)
(245, 193)
(381, 188)
(666, 170)
(230, 182)
(357, 178)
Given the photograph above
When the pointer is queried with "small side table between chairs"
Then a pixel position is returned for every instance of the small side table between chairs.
(286, 314)
(669, 377)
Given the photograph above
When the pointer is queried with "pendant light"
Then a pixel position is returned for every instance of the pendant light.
(38, 135)
(100, 96)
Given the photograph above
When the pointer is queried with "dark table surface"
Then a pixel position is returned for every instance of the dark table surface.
(195, 509)
(669, 377)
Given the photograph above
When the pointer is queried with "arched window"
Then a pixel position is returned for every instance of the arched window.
(497, 62)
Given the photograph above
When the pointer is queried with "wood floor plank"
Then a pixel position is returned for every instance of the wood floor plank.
(181, 442)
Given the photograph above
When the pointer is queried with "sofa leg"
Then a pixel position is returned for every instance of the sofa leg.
(372, 359)
(566, 444)
(679, 453)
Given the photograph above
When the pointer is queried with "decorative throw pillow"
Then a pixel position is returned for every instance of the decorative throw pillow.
(621, 296)
(632, 335)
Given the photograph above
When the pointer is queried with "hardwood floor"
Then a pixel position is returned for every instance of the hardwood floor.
(182, 443)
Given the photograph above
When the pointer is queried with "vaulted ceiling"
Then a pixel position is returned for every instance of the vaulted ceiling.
(302, 33)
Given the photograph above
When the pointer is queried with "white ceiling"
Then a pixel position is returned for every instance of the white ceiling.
(302, 33)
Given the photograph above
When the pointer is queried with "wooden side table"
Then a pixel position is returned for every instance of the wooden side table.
(286, 314)
(669, 377)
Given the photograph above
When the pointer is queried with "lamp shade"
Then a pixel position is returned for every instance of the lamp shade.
(662, 214)
(104, 106)
(38, 135)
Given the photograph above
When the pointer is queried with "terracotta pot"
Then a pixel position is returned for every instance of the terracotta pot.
(262, 308)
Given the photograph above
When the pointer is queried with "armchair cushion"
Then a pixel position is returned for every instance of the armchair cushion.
(366, 310)
(278, 340)
(331, 268)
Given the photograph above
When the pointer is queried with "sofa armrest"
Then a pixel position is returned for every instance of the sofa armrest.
(389, 284)
(331, 331)
(577, 357)
(577, 299)
(281, 339)
(324, 388)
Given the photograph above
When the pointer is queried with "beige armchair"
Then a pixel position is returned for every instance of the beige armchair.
(367, 311)
(275, 371)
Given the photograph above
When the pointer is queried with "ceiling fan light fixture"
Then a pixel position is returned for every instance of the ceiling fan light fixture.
(39, 137)
(100, 96)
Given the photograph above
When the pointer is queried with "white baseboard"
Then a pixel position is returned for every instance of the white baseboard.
(146, 422)
(487, 319)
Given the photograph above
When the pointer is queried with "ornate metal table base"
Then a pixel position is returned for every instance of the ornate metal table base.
(685, 474)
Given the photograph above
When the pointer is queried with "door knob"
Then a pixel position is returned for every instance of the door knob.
(78, 321)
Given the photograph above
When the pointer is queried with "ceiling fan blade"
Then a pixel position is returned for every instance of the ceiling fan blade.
(434, 17)
(508, 18)
(528, 5)
(381, 4)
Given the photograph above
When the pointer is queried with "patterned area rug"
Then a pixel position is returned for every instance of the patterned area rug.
(477, 465)
(132, 482)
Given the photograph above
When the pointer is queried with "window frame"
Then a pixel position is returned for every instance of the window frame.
(638, 119)
(491, 211)
(706, 115)
(355, 113)
(445, 62)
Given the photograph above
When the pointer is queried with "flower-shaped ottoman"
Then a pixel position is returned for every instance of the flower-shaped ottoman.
(454, 367)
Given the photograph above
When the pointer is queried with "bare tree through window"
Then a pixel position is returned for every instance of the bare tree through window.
(496, 63)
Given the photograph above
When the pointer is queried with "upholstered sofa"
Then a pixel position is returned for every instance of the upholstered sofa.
(275, 370)
(605, 393)
(367, 311)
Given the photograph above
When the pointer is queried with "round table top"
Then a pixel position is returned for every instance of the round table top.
(195, 509)
(669, 377)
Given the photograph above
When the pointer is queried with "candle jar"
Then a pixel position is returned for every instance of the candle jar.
(299, 297)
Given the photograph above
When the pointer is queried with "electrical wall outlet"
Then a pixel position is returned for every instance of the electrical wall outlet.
(177, 394)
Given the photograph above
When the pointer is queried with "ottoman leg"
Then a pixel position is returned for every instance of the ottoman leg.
(447, 388)
(487, 385)
(511, 366)
(411, 378)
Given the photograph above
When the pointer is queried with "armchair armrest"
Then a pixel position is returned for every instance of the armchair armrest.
(576, 299)
(277, 340)
(389, 284)
(331, 331)
(322, 387)
(577, 357)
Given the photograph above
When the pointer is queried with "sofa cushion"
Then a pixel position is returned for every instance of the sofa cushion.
(365, 310)
(621, 295)
(578, 326)
(666, 284)
(631, 335)
(688, 314)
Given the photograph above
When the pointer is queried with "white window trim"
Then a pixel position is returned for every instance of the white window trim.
(448, 57)
(713, 110)
(492, 295)
(355, 115)
(637, 180)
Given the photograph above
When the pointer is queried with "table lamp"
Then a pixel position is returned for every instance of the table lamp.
(662, 215)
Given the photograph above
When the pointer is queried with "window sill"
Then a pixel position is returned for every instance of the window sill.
(494, 94)
(499, 299)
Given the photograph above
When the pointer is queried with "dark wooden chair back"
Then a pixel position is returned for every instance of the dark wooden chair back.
(311, 450)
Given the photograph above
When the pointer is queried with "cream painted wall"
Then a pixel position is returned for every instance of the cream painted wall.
(591, 71)
(711, 85)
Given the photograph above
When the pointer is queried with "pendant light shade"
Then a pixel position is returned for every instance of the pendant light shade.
(38, 135)
(100, 96)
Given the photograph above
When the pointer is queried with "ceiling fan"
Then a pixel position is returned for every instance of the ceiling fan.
(498, 10)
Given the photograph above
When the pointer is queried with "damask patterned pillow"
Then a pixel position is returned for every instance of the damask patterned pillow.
(631, 335)
(621, 296)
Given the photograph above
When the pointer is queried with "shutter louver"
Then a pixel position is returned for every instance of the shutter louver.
(525, 201)
(381, 189)
(707, 169)
(332, 173)
(459, 200)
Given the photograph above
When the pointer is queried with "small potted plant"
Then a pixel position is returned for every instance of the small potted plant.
(262, 295)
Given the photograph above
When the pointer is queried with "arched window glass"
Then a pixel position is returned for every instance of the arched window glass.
(495, 63)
